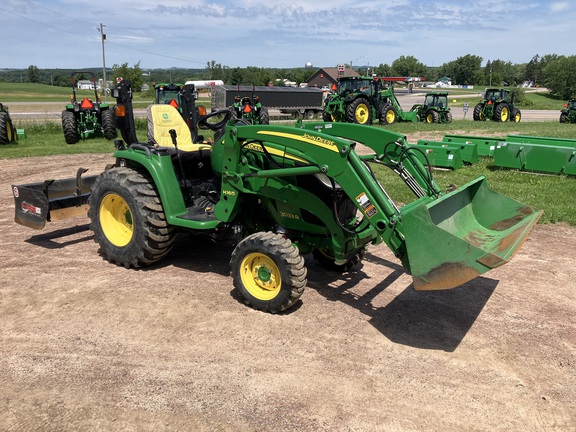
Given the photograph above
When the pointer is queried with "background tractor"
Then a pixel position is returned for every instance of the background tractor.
(87, 118)
(497, 105)
(249, 108)
(276, 194)
(363, 100)
(568, 114)
(8, 132)
(434, 109)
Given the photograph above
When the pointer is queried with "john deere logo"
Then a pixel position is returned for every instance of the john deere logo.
(165, 116)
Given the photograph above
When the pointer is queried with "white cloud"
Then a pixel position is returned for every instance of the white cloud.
(559, 6)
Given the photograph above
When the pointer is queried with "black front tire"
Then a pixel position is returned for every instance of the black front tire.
(432, 116)
(268, 272)
(128, 219)
(388, 115)
(70, 126)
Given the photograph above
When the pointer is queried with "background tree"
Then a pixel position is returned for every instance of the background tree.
(383, 70)
(33, 74)
(561, 76)
(408, 66)
(464, 70)
(134, 74)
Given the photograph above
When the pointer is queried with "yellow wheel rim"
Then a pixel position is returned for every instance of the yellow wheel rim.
(362, 113)
(429, 118)
(504, 114)
(260, 276)
(116, 220)
(9, 131)
(390, 116)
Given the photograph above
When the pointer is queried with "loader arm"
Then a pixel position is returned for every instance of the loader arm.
(443, 240)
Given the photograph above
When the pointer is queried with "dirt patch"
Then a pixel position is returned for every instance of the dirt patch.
(86, 345)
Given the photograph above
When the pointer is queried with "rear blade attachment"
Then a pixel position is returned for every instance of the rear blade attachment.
(38, 203)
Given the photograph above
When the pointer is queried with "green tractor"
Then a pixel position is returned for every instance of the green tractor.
(363, 100)
(277, 194)
(249, 108)
(183, 98)
(8, 132)
(168, 93)
(87, 118)
(434, 109)
(568, 114)
(497, 105)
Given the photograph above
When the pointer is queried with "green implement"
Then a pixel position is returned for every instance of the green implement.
(484, 145)
(468, 151)
(526, 156)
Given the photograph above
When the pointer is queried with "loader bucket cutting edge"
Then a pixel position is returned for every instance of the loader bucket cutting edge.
(463, 234)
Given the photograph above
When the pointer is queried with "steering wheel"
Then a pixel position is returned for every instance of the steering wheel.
(215, 120)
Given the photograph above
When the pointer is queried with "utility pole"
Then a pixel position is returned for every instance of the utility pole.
(104, 83)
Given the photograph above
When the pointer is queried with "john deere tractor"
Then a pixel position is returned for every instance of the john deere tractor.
(8, 132)
(276, 194)
(568, 114)
(497, 105)
(434, 109)
(363, 100)
(87, 118)
(250, 109)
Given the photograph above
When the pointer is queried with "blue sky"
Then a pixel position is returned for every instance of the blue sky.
(267, 33)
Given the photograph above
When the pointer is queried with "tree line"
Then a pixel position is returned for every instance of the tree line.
(555, 72)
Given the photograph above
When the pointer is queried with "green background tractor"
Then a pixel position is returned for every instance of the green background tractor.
(497, 105)
(87, 118)
(250, 109)
(568, 114)
(363, 100)
(434, 109)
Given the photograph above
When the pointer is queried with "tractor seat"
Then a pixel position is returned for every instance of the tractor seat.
(162, 119)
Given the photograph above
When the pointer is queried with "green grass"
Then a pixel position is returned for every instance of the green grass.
(551, 193)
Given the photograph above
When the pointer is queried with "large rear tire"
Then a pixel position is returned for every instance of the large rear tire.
(502, 112)
(108, 125)
(478, 114)
(264, 117)
(359, 112)
(268, 272)
(6, 129)
(127, 218)
(70, 126)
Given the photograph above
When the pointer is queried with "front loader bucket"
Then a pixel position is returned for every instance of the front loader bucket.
(463, 234)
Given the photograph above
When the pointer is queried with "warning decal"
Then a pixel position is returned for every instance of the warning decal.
(366, 205)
